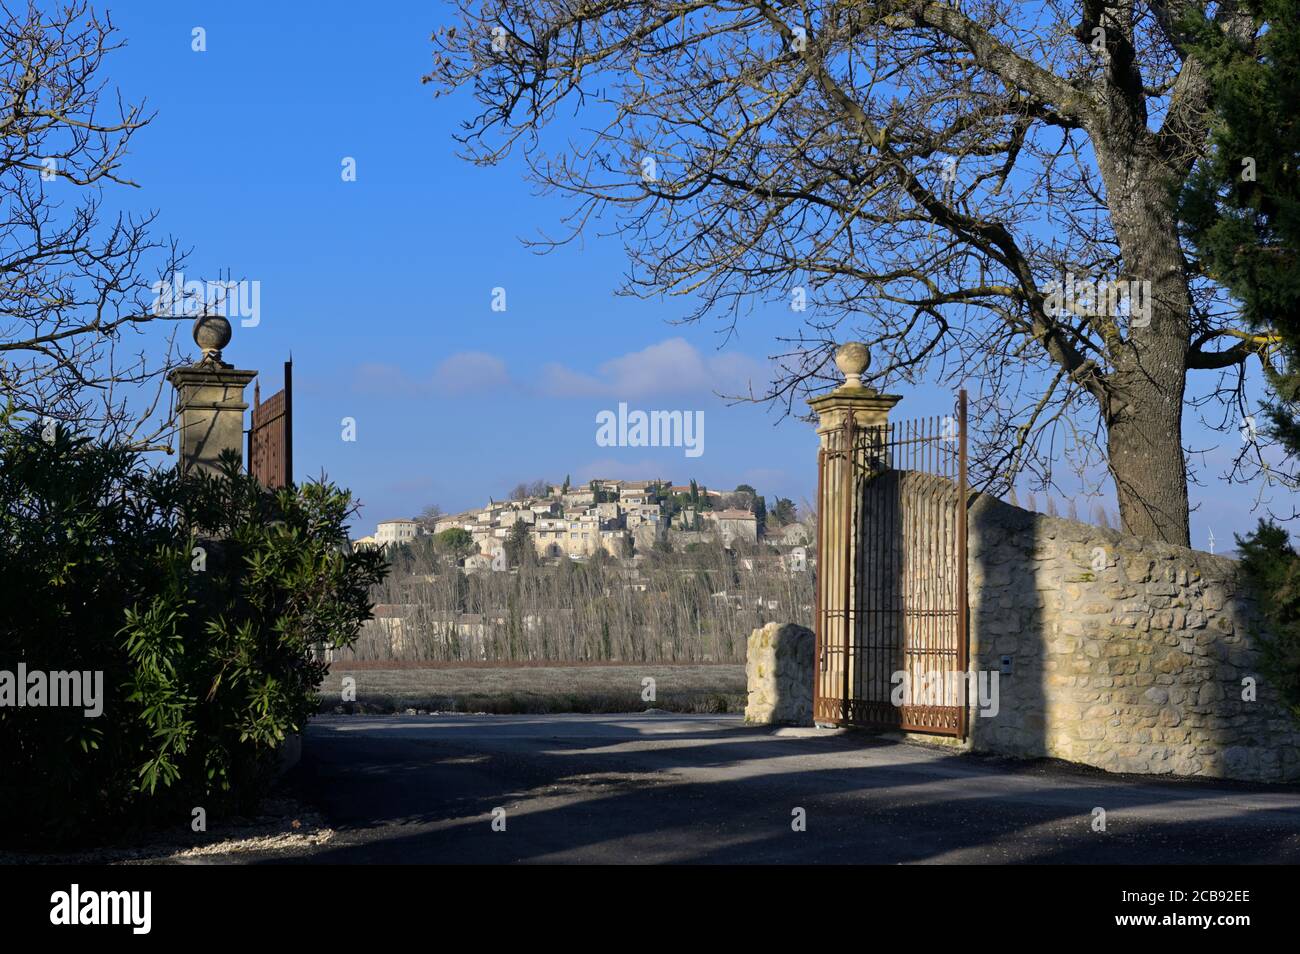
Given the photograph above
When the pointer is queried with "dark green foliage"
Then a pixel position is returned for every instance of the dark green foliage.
(1271, 569)
(436, 552)
(784, 513)
(519, 545)
(1246, 229)
(1240, 208)
(456, 542)
(201, 600)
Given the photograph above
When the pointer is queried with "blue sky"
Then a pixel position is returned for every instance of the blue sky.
(382, 287)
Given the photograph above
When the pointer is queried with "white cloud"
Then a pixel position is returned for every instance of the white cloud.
(673, 366)
(559, 381)
(470, 372)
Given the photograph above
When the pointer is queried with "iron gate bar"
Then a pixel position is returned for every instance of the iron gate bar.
(288, 420)
(963, 597)
(820, 568)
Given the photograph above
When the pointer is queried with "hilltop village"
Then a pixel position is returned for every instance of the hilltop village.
(629, 569)
(619, 517)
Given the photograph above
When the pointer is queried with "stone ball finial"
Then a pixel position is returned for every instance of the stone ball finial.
(853, 359)
(211, 334)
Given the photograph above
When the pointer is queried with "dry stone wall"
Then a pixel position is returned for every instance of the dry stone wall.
(1126, 654)
(1109, 650)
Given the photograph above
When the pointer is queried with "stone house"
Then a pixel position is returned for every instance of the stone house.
(462, 521)
(616, 542)
(641, 486)
(578, 498)
(396, 532)
(484, 538)
(735, 525)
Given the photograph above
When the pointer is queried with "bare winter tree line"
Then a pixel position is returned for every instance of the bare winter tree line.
(698, 605)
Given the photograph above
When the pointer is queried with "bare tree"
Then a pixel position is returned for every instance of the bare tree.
(429, 517)
(73, 285)
(918, 173)
(525, 490)
(693, 606)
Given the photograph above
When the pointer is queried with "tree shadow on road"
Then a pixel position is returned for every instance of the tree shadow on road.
(729, 794)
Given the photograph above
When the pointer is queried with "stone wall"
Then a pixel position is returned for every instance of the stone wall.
(1124, 653)
(779, 675)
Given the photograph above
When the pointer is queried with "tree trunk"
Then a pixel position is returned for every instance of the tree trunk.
(1145, 448)
(1149, 373)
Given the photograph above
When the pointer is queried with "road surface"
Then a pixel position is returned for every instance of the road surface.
(660, 788)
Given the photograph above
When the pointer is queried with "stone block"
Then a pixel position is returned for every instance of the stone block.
(779, 673)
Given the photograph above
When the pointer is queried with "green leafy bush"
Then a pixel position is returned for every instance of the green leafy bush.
(1270, 567)
(203, 601)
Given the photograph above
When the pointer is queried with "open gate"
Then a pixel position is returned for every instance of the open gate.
(270, 436)
(895, 557)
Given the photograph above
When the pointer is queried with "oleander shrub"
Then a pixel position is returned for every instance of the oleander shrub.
(204, 602)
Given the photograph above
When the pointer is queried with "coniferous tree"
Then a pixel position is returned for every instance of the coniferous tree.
(784, 513)
(1241, 212)
(1240, 208)
(519, 546)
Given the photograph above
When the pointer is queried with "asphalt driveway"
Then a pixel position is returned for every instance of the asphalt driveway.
(654, 788)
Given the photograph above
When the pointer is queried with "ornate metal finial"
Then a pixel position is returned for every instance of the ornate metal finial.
(853, 359)
(211, 334)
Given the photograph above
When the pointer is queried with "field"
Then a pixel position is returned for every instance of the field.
(535, 688)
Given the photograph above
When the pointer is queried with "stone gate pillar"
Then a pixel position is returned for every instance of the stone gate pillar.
(210, 401)
(837, 522)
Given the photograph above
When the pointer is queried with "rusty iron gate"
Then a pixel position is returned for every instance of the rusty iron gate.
(270, 435)
(894, 554)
